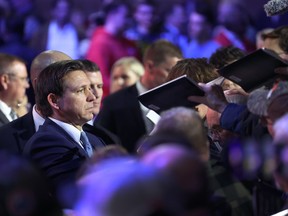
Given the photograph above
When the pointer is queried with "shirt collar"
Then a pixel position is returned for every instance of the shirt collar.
(38, 119)
(70, 129)
(5, 109)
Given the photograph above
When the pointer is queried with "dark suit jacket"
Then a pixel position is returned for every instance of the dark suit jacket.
(3, 119)
(15, 134)
(107, 137)
(121, 114)
(55, 152)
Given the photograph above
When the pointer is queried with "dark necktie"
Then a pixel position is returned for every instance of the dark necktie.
(86, 144)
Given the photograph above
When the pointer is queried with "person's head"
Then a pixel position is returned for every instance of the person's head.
(234, 16)
(200, 23)
(103, 154)
(61, 11)
(188, 123)
(44, 59)
(225, 55)
(23, 189)
(175, 15)
(260, 37)
(95, 77)
(269, 104)
(122, 186)
(144, 13)
(116, 14)
(277, 40)
(125, 72)
(63, 92)
(13, 79)
(198, 69)
(158, 60)
(280, 144)
(188, 172)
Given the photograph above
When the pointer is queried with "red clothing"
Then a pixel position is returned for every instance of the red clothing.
(224, 40)
(105, 49)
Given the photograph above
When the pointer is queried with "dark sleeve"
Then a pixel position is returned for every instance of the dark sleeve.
(238, 119)
(58, 160)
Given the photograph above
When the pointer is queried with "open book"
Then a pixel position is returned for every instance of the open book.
(171, 94)
(254, 70)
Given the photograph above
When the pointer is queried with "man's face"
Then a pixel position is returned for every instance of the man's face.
(144, 15)
(198, 27)
(17, 85)
(96, 88)
(161, 71)
(76, 104)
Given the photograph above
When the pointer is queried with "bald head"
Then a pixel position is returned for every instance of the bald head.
(44, 59)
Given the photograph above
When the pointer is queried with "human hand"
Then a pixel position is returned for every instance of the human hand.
(214, 97)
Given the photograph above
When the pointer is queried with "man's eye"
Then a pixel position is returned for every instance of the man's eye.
(81, 90)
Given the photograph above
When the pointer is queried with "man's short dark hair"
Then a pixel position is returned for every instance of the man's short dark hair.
(50, 80)
(225, 55)
(89, 66)
(160, 50)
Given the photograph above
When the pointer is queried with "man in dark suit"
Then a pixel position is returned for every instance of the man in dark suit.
(95, 77)
(15, 134)
(122, 113)
(64, 98)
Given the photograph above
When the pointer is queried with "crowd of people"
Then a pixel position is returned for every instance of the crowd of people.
(76, 141)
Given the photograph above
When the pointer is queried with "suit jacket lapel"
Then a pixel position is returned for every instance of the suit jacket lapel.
(50, 123)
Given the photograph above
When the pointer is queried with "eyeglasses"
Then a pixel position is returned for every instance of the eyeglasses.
(22, 79)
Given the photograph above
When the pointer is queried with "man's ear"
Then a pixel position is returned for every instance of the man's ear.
(4, 81)
(149, 65)
(53, 101)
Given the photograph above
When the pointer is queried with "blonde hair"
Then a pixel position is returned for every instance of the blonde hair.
(130, 63)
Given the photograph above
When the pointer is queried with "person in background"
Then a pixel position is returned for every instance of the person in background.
(198, 70)
(125, 72)
(233, 25)
(260, 37)
(16, 133)
(200, 25)
(174, 23)
(187, 124)
(59, 33)
(14, 82)
(121, 112)
(108, 43)
(145, 30)
(24, 190)
(96, 85)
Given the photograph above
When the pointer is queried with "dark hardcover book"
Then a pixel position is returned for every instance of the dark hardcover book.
(254, 70)
(171, 94)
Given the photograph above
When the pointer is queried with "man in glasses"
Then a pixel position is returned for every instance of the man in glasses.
(14, 82)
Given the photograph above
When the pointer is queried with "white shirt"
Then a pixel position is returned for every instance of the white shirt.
(6, 110)
(38, 120)
(70, 129)
(63, 39)
(148, 123)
